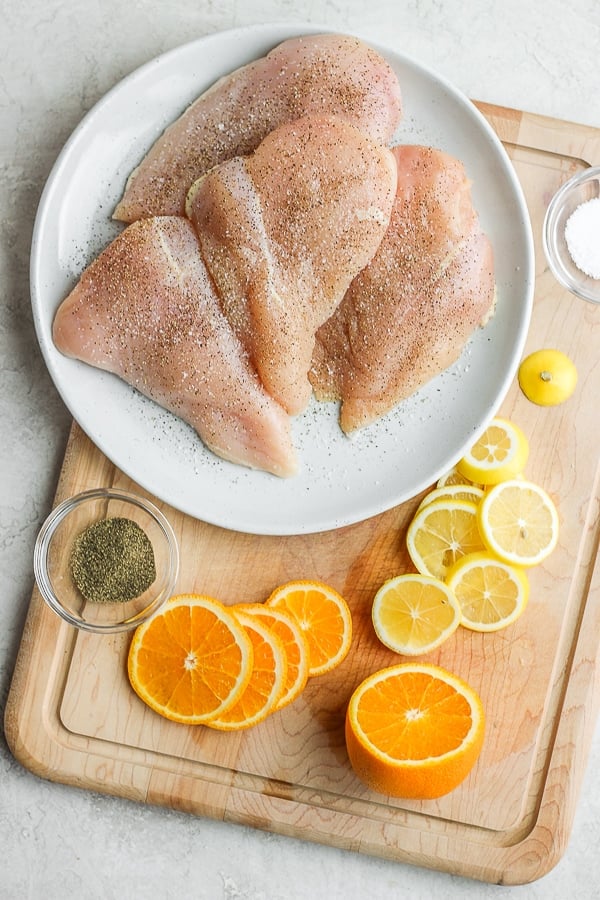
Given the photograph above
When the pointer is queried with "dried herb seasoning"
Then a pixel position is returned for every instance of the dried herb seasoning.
(112, 561)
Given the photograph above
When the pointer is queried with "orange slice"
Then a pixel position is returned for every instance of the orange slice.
(324, 618)
(266, 683)
(414, 731)
(191, 661)
(283, 624)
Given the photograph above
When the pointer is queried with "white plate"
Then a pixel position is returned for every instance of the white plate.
(341, 480)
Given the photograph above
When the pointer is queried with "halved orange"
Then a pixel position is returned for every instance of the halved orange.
(266, 683)
(414, 730)
(324, 618)
(191, 661)
(283, 624)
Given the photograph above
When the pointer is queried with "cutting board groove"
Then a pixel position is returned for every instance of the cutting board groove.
(71, 716)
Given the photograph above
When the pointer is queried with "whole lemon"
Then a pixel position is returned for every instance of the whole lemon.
(547, 377)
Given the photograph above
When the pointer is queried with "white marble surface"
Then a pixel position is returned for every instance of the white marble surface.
(57, 59)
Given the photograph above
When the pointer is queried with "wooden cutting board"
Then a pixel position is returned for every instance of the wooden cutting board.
(72, 717)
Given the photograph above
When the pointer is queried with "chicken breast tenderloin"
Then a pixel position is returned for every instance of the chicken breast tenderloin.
(314, 74)
(146, 310)
(283, 233)
(408, 315)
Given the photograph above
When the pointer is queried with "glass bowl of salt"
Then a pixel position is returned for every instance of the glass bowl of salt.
(106, 560)
(572, 234)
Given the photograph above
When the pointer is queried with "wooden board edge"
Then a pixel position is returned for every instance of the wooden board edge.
(539, 132)
(580, 709)
(23, 698)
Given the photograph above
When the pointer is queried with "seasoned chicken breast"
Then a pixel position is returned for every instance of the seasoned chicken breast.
(315, 74)
(408, 315)
(146, 309)
(283, 233)
(214, 317)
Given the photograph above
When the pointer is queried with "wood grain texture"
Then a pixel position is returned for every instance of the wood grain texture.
(72, 717)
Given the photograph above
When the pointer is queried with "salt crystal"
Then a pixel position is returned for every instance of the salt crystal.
(582, 234)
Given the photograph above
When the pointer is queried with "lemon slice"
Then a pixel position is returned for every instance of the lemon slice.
(547, 377)
(491, 594)
(518, 522)
(440, 533)
(453, 476)
(414, 614)
(498, 454)
(453, 492)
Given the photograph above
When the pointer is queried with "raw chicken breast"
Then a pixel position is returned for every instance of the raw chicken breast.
(146, 310)
(327, 73)
(283, 233)
(409, 314)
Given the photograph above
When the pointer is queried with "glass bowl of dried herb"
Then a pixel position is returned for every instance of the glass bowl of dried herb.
(106, 560)
(571, 234)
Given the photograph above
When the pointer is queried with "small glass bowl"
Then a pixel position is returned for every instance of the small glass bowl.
(578, 189)
(52, 552)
